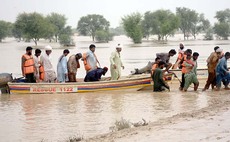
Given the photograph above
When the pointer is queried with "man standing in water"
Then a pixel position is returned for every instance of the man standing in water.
(27, 66)
(62, 72)
(222, 72)
(188, 52)
(90, 60)
(50, 75)
(190, 74)
(116, 63)
(159, 84)
(211, 63)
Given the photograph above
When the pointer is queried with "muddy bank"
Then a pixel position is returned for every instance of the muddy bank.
(207, 124)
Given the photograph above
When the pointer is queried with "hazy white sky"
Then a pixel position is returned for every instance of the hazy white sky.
(112, 10)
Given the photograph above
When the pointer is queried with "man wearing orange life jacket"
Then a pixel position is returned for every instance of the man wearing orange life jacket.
(27, 66)
(89, 59)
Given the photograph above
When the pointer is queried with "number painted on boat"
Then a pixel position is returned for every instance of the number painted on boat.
(36, 89)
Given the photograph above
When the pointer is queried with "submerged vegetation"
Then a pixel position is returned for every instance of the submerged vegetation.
(124, 124)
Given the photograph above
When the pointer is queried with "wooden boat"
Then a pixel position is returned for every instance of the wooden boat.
(134, 82)
(130, 82)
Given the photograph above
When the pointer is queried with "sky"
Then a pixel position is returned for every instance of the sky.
(112, 10)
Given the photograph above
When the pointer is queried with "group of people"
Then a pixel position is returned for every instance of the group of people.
(39, 68)
(187, 61)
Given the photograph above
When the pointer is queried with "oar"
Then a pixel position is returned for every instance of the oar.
(177, 77)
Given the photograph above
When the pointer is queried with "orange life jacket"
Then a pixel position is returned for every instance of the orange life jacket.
(29, 64)
(41, 72)
(183, 69)
(86, 65)
(180, 56)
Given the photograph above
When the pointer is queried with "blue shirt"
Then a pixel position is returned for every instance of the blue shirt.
(221, 67)
(94, 75)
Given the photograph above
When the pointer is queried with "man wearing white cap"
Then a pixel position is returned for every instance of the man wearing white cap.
(116, 63)
(212, 62)
(50, 75)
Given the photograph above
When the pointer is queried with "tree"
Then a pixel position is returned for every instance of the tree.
(58, 21)
(132, 26)
(4, 30)
(188, 21)
(223, 15)
(33, 25)
(164, 23)
(50, 31)
(222, 27)
(65, 36)
(19, 26)
(17, 31)
(146, 24)
(88, 25)
(103, 36)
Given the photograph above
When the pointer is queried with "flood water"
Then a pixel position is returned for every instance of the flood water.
(55, 117)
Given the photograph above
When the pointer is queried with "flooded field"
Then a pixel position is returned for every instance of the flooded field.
(56, 117)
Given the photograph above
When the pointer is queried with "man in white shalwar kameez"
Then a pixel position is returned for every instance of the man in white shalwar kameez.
(50, 75)
(62, 71)
(116, 63)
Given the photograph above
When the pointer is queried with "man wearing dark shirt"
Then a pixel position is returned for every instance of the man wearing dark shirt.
(95, 75)
(158, 82)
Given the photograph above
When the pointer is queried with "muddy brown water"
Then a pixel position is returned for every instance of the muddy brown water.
(55, 117)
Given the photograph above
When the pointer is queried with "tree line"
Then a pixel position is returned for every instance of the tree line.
(163, 23)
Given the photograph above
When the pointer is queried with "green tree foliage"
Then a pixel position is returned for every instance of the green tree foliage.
(205, 23)
(58, 22)
(132, 26)
(50, 31)
(103, 36)
(199, 24)
(161, 23)
(88, 25)
(4, 29)
(65, 37)
(19, 26)
(164, 23)
(222, 27)
(33, 25)
(188, 21)
(223, 15)
(146, 24)
(17, 32)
